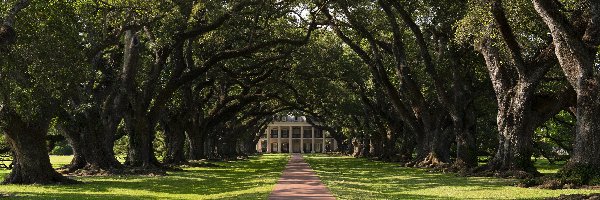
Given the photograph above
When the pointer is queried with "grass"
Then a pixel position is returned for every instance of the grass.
(251, 179)
(546, 168)
(351, 178)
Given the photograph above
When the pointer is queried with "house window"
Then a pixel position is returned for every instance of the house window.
(318, 133)
(296, 132)
(307, 132)
(273, 133)
(285, 133)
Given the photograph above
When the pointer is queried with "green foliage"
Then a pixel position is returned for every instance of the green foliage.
(159, 145)
(3, 144)
(558, 132)
(62, 148)
(580, 174)
(121, 146)
(44, 66)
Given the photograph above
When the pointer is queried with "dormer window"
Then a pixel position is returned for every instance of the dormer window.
(283, 119)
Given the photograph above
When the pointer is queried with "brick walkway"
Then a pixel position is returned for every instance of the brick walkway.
(299, 181)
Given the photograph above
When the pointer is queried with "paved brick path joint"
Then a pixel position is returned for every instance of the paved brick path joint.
(299, 181)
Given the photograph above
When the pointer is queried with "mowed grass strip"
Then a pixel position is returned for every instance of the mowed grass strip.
(249, 179)
(357, 178)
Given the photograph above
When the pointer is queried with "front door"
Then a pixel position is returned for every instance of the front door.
(285, 148)
(274, 147)
(296, 147)
(307, 147)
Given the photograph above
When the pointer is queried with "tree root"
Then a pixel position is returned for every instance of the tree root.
(580, 174)
(576, 197)
(429, 161)
(143, 171)
(54, 179)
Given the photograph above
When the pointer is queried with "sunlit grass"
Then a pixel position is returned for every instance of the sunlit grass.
(351, 178)
(545, 167)
(251, 179)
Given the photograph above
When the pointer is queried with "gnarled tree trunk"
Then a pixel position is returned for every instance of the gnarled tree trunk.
(174, 140)
(196, 133)
(514, 149)
(576, 44)
(31, 160)
(92, 142)
(141, 150)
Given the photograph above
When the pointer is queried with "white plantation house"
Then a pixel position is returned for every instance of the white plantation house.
(292, 134)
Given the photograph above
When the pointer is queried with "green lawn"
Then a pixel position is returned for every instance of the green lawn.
(351, 178)
(252, 179)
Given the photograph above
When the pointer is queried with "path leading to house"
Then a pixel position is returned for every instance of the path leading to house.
(299, 181)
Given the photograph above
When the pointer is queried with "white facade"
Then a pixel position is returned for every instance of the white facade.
(289, 134)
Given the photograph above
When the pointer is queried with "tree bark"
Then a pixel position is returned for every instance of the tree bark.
(196, 139)
(174, 140)
(31, 160)
(7, 32)
(514, 99)
(514, 149)
(74, 140)
(577, 49)
(196, 134)
(466, 146)
(92, 142)
(141, 150)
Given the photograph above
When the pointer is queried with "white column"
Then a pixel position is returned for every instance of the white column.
(312, 148)
(302, 139)
(323, 134)
(268, 140)
(290, 150)
(278, 139)
(335, 145)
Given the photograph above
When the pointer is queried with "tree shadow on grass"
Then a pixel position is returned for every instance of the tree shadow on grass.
(239, 179)
(352, 178)
(75, 196)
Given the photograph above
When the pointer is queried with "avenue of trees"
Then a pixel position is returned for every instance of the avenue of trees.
(428, 83)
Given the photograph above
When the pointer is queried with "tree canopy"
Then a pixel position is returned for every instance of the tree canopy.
(428, 83)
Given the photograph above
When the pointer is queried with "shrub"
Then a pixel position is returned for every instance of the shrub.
(62, 148)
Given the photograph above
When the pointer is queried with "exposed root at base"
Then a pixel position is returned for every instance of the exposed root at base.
(142, 171)
(56, 179)
(595, 196)
(429, 161)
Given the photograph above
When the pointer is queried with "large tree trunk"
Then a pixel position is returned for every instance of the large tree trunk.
(389, 146)
(514, 97)
(576, 44)
(141, 150)
(174, 141)
(226, 149)
(514, 149)
(74, 140)
(466, 146)
(31, 160)
(435, 148)
(358, 147)
(139, 121)
(376, 146)
(196, 138)
(92, 143)
(99, 144)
